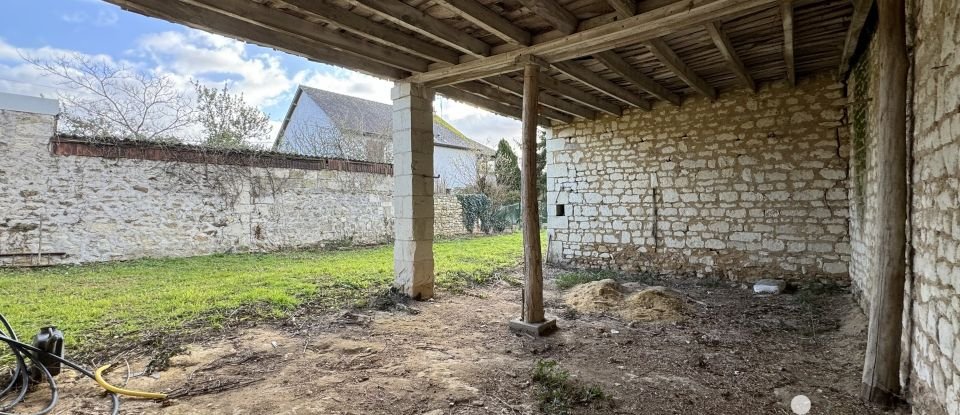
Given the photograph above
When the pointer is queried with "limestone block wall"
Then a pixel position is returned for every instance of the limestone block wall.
(448, 219)
(935, 210)
(752, 185)
(77, 209)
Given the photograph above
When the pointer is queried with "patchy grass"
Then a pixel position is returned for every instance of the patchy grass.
(95, 304)
(557, 393)
(570, 279)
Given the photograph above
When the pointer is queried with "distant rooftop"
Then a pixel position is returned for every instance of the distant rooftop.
(24, 103)
(371, 117)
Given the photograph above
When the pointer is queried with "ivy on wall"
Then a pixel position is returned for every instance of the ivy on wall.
(478, 208)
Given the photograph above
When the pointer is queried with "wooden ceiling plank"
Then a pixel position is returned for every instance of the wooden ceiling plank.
(554, 13)
(366, 28)
(486, 103)
(624, 8)
(207, 20)
(578, 95)
(619, 66)
(723, 43)
(644, 26)
(414, 19)
(669, 58)
(861, 10)
(488, 20)
(496, 94)
(516, 88)
(592, 79)
(273, 19)
(786, 13)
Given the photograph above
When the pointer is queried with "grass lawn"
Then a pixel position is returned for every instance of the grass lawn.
(95, 303)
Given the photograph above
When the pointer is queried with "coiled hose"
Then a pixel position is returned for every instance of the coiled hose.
(20, 379)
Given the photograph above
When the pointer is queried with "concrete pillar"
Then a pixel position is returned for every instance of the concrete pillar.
(413, 190)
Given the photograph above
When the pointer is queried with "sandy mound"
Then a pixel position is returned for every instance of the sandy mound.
(653, 304)
(595, 296)
(648, 304)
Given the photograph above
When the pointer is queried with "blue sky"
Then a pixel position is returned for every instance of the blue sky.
(266, 77)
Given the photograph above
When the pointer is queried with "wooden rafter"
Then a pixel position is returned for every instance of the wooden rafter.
(204, 19)
(861, 10)
(616, 64)
(516, 87)
(669, 58)
(414, 19)
(488, 91)
(354, 23)
(488, 104)
(644, 26)
(786, 13)
(488, 20)
(578, 95)
(723, 44)
(624, 8)
(554, 13)
(578, 72)
(276, 20)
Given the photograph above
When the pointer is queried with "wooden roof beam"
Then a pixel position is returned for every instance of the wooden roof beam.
(516, 88)
(669, 58)
(861, 10)
(554, 13)
(644, 26)
(722, 42)
(624, 8)
(578, 95)
(786, 12)
(366, 28)
(486, 103)
(416, 20)
(578, 72)
(276, 20)
(500, 95)
(619, 66)
(204, 19)
(488, 20)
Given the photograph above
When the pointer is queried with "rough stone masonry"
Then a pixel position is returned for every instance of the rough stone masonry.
(86, 209)
(752, 185)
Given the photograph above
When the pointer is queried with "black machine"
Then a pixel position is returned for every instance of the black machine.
(50, 340)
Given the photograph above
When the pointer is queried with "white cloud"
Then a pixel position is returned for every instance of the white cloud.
(481, 125)
(103, 18)
(351, 83)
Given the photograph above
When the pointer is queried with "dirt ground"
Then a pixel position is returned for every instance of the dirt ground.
(734, 352)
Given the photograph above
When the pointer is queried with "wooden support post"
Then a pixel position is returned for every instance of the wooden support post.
(881, 369)
(533, 320)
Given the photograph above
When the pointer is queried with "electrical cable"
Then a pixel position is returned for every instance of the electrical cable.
(22, 352)
(97, 376)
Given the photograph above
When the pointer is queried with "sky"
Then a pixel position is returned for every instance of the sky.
(267, 78)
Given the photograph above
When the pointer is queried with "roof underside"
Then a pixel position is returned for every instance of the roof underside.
(604, 55)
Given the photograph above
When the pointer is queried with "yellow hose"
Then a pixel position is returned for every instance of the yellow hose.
(98, 376)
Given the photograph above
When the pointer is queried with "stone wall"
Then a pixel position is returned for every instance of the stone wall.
(752, 185)
(75, 209)
(935, 210)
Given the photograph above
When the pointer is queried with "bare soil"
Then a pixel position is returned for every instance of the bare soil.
(734, 352)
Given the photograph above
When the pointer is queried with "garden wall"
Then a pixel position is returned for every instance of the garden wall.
(72, 201)
(751, 185)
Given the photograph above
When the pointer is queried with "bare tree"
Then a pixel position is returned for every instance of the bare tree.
(107, 99)
(227, 120)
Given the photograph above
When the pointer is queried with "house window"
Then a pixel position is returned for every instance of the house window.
(560, 210)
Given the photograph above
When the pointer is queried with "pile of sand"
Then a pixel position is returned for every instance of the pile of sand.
(648, 304)
(595, 296)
